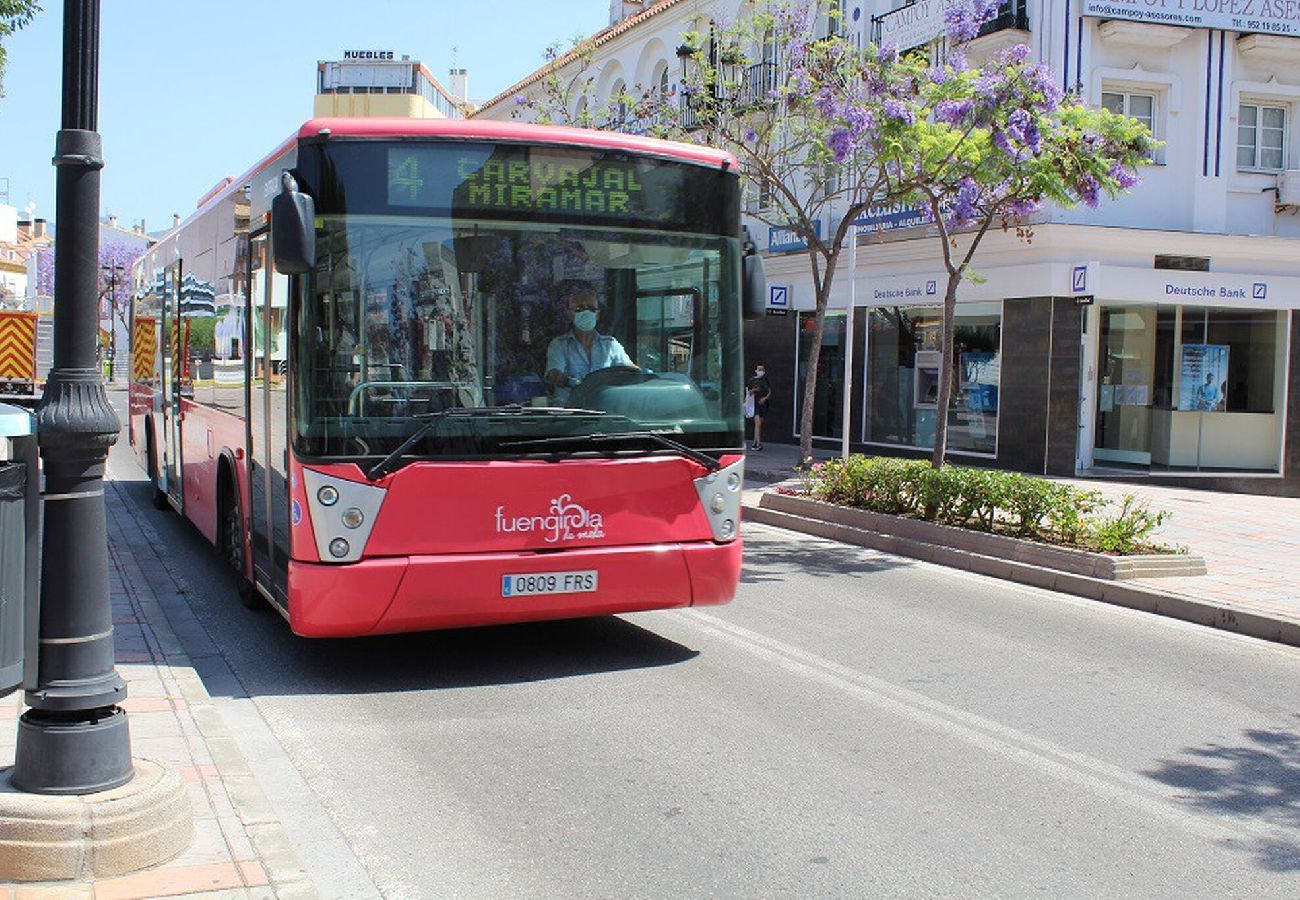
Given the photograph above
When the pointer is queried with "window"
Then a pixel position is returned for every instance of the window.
(1261, 137)
(903, 362)
(762, 195)
(1134, 105)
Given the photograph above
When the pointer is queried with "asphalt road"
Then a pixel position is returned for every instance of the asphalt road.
(853, 724)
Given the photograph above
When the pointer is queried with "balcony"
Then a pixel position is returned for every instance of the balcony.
(1012, 14)
(1008, 28)
(756, 86)
(908, 30)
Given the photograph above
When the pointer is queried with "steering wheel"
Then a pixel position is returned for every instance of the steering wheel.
(599, 379)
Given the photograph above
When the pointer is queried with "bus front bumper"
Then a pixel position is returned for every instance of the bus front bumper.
(424, 593)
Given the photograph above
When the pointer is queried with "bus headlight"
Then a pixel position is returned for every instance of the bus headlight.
(722, 506)
(340, 507)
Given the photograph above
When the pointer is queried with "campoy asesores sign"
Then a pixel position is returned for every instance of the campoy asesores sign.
(914, 25)
(1268, 16)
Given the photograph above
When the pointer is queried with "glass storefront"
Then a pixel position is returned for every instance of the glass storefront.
(1190, 388)
(829, 392)
(903, 353)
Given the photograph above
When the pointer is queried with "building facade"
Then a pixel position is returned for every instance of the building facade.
(380, 83)
(1151, 337)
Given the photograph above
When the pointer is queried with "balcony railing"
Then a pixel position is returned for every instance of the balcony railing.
(1011, 14)
(756, 85)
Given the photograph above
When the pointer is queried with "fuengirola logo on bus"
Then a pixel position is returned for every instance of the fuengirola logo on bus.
(566, 521)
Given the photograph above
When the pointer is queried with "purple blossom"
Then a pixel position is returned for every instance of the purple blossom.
(860, 120)
(897, 109)
(1124, 177)
(963, 210)
(953, 112)
(1089, 191)
(963, 21)
(521, 100)
(1024, 206)
(751, 136)
(889, 53)
(841, 144)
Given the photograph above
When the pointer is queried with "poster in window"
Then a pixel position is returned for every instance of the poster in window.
(1204, 383)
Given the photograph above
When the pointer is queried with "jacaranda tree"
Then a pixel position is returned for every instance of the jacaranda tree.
(991, 146)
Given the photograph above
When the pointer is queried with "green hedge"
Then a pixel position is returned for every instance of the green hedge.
(988, 500)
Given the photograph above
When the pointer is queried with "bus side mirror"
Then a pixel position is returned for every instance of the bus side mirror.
(753, 280)
(293, 229)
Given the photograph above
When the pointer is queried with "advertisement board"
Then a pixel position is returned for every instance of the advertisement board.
(1266, 16)
(1203, 384)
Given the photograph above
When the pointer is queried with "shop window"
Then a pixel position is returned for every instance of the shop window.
(1261, 137)
(903, 355)
(1216, 383)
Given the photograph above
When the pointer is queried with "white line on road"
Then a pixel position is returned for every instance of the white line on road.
(1043, 756)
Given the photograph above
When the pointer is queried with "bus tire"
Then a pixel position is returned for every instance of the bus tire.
(230, 539)
(157, 496)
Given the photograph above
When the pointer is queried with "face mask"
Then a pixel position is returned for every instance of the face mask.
(760, 372)
(585, 320)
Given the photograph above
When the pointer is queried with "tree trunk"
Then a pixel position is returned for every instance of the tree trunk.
(945, 372)
(814, 356)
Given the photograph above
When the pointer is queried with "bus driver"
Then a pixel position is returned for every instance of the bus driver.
(580, 351)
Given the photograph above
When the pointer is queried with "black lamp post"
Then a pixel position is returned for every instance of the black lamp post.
(74, 739)
(113, 271)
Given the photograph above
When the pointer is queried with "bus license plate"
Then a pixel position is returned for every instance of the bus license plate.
(532, 584)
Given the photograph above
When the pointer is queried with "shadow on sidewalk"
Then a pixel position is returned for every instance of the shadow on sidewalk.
(1258, 779)
(240, 653)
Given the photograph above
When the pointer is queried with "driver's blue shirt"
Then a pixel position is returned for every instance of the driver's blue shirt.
(566, 354)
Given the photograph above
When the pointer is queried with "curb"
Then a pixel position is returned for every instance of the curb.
(1224, 616)
(285, 872)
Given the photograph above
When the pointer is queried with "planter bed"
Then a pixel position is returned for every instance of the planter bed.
(982, 543)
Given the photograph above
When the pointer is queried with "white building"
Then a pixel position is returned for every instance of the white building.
(1151, 336)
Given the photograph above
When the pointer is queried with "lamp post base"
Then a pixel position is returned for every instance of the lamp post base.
(141, 824)
(61, 754)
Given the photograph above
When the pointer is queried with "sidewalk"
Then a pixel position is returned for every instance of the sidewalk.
(1250, 543)
(239, 849)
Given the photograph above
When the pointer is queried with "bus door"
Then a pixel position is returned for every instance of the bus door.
(268, 422)
(173, 374)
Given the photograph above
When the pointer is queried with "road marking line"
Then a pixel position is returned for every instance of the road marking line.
(1000, 740)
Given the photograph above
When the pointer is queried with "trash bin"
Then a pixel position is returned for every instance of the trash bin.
(19, 550)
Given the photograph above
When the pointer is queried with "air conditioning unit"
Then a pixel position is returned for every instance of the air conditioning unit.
(1288, 188)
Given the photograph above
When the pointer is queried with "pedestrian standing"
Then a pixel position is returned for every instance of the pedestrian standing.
(760, 391)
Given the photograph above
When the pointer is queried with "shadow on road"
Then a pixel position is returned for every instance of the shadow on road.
(1259, 779)
(265, 658)
(770, 558)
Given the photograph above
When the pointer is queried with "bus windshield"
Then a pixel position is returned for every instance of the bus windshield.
(495, 278)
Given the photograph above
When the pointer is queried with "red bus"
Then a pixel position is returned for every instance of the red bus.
(365, 370)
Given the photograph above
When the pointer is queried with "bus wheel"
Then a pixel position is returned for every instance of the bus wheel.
(232, 544)
(157, 495)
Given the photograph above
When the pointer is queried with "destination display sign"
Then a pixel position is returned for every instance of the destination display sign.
(536, 182)
(1267, 16)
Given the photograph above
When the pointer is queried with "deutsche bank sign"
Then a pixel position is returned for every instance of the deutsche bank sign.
(1267, 16)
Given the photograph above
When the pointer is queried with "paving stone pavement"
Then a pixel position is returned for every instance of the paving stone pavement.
(1250, 543)
(239, 849)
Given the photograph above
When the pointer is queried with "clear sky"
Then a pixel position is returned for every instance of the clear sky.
(192, 91)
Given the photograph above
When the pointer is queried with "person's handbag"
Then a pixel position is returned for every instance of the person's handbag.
(749, 406)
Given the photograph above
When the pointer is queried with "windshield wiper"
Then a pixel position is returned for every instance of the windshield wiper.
(392, 461)
(609, 437)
